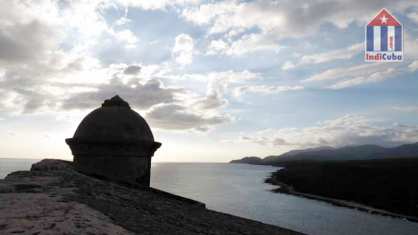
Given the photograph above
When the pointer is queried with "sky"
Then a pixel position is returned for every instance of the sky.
(216, 80)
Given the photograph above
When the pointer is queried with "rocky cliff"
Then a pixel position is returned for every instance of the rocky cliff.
(52, 198)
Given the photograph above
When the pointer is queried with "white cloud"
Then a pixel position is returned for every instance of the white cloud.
(325, 57)
(204, 14)
(126, 36)
(288, 65)
(220, 82)
(217, 47)
(246, 44)
(276, 20)
(183, 49)
(58, 60)
(265, 89)
(339, 54)
(413, 66)
(342, 131)
(413, 16)
(410, 47)
(355, 75)
(371, 78)
(225, 16)
(406, 109)
(286, 18)
(156, 4)
(212, 100)
(344, 72)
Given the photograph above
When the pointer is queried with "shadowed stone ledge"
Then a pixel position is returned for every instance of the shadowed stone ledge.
(53, 198)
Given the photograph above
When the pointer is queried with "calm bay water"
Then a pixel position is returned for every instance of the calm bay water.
(239, 189)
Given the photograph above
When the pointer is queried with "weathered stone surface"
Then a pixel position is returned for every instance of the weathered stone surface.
(38, 213)
(67, 202)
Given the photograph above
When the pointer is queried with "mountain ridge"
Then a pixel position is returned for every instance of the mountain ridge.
(346, 153)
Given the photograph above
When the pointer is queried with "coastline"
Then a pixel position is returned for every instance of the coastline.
(60, 200)
(288, 189)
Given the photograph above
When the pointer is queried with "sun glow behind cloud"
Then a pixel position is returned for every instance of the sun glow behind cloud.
(210, 77)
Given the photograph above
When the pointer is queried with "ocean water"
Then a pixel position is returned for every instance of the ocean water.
(239, 189)
(8, 165)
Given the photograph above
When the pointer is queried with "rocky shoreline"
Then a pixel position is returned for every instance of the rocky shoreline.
(288, 189)
(53, 198)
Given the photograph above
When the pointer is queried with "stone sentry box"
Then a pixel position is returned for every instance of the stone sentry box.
(114, 142)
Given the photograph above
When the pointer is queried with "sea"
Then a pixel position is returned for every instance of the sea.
(239, 189)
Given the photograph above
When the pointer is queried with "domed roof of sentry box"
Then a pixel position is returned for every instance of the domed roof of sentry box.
(114, 122)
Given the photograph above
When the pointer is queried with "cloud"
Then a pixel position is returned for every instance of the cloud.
(40, 85)
(165, 107)
(156, 4)
(325, 57)
(18, 24)
(413, 66)
(286, 18)
(240, 27)
(406, 109)
(370, 78)
(141, 95)
(220, 83)
(413, 16)
(211, 101)
(15, 46)
(345, 53)
(183, 49)
(218, 47)
(132, 70)
(126, 36)
(48, 54)
(265, 89)
(355, 75)
(246, 44)
(41, 43)
(137, 83)
(262, 140)
(342, 131)
(178, 117)
(288, 65)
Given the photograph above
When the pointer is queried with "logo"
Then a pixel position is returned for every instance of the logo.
(384, 39)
